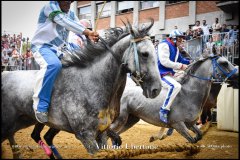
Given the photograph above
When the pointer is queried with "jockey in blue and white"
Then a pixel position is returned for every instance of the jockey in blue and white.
(54, 23)
(169, 60)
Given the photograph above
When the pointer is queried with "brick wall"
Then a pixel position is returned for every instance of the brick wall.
(145, 14)
(177, 10)
(206, 7)
(119, 23)
(103, 23)
(80, 3)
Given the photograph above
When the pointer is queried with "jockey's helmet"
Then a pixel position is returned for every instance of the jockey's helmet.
(176, 34)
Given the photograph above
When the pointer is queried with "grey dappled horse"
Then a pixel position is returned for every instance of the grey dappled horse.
(210, 103)
(188, 104)
(206, 112)
(86, 95)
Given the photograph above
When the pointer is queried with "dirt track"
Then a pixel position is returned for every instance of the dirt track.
(215, 144)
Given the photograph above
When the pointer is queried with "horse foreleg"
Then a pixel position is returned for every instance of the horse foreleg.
(195, 129)
(87, 138)
(160, 135)
(116, 139)
(182, 129)
(37, 138)
(14, 147)
(102, 139)
(51, 133)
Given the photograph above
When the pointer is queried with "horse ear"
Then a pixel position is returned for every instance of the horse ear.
(131, 29)
(144, 30)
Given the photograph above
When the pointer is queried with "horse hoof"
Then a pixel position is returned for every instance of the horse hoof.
(164, 136)
(151, 139)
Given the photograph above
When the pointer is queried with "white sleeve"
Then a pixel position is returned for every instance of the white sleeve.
(69, 24)
(62, 18)
(164, 57)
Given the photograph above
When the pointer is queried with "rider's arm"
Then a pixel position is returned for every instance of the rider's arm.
(164, 57)
(53, 11)
(183, 60)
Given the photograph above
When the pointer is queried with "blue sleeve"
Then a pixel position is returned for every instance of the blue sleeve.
(182, 59)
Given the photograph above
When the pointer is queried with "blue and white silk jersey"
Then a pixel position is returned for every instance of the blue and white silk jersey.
(169, 58)
(63, 23)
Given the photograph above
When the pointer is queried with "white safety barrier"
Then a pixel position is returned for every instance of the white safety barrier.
(227, 109)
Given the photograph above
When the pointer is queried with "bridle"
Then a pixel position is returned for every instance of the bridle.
(216, 76)
(137, 77)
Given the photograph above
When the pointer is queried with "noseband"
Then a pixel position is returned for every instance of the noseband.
(137, 76)
(216, 76)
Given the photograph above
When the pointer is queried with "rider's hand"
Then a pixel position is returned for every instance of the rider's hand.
(94, 36)
(184, 66)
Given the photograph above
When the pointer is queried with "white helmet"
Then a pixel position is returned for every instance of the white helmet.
(176, 33)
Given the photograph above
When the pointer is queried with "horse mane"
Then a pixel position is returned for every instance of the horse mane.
(113, 35)
(192, 69)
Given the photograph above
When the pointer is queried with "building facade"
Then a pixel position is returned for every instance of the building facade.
(166, 14)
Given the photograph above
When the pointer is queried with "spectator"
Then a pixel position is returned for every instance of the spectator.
(189, 33)
(15, 53)
(25, 45)
(216, 29)
(224, 28)
(197, 26)
(5, 58)
(223, 31)
(79, 39)
(28, 59)
(176, 31)
(15, 57)
(197, 30)
(209, 46)
(216, 26)
(233, 35)
(206, 31)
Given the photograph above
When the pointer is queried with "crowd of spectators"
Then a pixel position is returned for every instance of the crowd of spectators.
(16, 53)
(220, 37)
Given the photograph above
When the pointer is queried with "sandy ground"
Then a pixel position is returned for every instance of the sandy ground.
(215, 144)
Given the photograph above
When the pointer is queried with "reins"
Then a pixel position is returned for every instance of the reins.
(213, 77)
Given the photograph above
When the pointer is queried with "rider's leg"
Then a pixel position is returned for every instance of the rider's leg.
(173, 89)
(50, 66)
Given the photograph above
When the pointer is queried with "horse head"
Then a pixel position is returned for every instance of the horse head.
(140, 60)
(227, 71)
(221, 70)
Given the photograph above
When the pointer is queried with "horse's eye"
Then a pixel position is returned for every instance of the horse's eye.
(145, 54)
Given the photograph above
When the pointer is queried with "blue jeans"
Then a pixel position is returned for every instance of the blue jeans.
(50, 66)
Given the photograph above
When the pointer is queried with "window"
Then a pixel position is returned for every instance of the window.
(148, 4)
(172, 2)
(125, 6)
(106, 11)
(84, 12)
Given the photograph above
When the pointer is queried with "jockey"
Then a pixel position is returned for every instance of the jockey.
(54, 23)
(169, 59)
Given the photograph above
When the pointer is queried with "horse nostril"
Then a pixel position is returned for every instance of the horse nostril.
(155, 92)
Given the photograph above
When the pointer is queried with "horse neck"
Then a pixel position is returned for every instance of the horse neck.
(199, 88)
